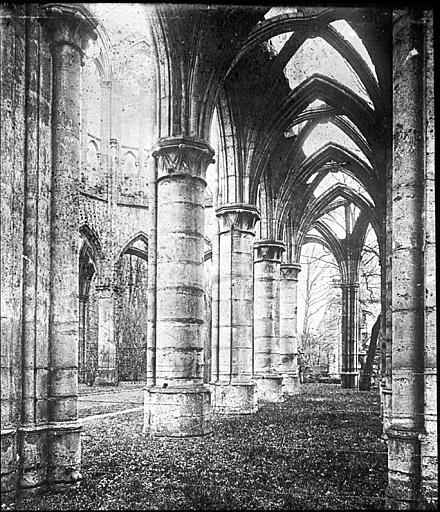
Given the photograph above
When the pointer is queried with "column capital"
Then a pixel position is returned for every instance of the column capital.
(69, 24)
(269, 250)
(238, 217)
(290, 271)
(182, 155)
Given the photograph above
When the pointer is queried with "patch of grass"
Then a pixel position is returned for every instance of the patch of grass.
(320, 449)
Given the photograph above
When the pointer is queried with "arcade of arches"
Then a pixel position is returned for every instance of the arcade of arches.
(163, 167)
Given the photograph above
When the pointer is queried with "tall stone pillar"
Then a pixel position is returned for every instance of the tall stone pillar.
(333, 369)
(215, 313)
(179, 403)
(289, 327)
(350, 335)
(152, 273)
(429, 440)
(83, 303)
(69, 28)
(107, 374)
(410, 285)
(235, 391)
(267, 358)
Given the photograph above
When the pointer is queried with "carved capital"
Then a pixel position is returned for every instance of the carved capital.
(290, 271)
(69, 24)
(182, 155)
(269, 250)
(238, 217)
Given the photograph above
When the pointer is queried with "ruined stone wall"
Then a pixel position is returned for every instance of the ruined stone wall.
(129, 221)
(130, 218)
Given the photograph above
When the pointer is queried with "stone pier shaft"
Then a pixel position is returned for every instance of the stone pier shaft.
(267, 263)
(179, 403)
(350, 335)
(235, 390)
(289, 327)
(107, 374)
(411, 474)
(69, 32)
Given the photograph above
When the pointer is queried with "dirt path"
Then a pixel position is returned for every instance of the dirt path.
(95, 400)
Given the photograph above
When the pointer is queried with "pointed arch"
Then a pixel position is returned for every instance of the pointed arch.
(92, 239)
(129, 247)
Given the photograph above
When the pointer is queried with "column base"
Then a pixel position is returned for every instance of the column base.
(177, 411)
(64, 452)
(404, 484)
(290, 384)
(349, 380)
(235, 397)
(33, 446)
(9, 469)
(107, 377)
(386, 411)
(270, 388)
(429, 463)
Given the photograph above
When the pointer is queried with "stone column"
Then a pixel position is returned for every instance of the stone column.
(152, 274)
(83, 300)
(235, 390)
(215, 313)
(267, 359)
(106, 94)
(179, 403)
(107, 374)
(429, 440)
(408, 280)
(386, 346)
(289, 327)
(350, 335)
(333, 370)
(69, 31)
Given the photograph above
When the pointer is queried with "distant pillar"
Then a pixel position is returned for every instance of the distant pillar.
(179, 403)
(289, 327)
(235, 389)
(107, 374)
(83, 303)
(267, 358)
(350, 335)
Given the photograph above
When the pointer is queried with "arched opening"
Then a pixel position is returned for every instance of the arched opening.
(88, 316)
(131, 316)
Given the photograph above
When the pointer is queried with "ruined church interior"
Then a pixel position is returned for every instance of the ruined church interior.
(164, 170)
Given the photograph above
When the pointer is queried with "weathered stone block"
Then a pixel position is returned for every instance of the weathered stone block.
(235, 398)
(177, 411)
(33, 456)
(269, 389)
(64, 453)
(290, 385)
(9, 461)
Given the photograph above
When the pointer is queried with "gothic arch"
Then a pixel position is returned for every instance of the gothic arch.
(129, 248)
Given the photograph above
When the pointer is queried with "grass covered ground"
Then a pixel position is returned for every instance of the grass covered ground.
(320, 449)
